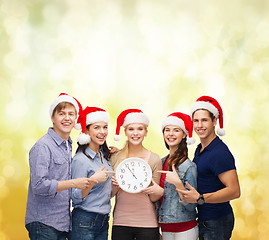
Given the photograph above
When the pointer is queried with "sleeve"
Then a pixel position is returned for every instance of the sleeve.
(222, 162)
(156, 166)
(191, 178)
(39, 162)
(78, 170)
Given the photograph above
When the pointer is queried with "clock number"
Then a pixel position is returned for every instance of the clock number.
(129, 185)
(135, 187)
(145, 180)
(141, 185)
(132, 164)
(121, 176)
(144, 168)
(123, 182)
(122, 170)
(146, 174)
(126, 165)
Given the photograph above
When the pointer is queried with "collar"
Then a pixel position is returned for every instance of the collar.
(211, 145)
(93, 154)
(57, 138)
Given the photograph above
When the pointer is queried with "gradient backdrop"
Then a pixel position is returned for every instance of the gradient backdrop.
(156, 55)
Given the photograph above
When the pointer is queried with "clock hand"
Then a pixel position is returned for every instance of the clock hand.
(131, 172)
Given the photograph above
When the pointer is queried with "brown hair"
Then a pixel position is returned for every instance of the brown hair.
(211, 115)
(180, 155)
(62, 105)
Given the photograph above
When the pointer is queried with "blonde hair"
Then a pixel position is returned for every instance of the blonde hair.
(119, 156)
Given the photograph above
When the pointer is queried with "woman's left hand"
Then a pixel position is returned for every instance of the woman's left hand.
(153, 189)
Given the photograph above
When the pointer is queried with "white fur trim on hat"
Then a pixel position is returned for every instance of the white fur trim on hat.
(204, 105)
(171, 120)
(83, 138)
(135, 117)
(63, 98)
(98, 116)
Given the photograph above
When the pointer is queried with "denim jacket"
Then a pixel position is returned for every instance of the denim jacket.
(173, 209)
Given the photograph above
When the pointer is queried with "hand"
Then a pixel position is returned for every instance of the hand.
(114, 182)
(115, 185)
(113, 149)
(82, 183)
(153, 189)
(172, 176)
(190, 196)
(100, 175)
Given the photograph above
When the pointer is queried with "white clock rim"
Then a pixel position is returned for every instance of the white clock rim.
(135, 158)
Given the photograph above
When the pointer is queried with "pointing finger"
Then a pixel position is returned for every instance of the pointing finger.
(162, 171)
(109, 172)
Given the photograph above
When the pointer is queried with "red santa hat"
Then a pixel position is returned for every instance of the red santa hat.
(183, 121)
(129, 116)
(89, 116)
(212, 105)
(64, 97)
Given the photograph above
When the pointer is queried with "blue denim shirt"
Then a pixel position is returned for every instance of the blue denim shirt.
(49, 161)
(173, 210)
(98, 199)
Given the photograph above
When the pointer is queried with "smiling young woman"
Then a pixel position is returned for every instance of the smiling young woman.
(92, 205)
(134, 214)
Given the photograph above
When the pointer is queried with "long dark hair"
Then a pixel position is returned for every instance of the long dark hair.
(180, 155)
(104, 148)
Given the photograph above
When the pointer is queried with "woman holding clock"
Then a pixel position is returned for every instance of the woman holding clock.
(92, 205)
(177, 218)
(134, 215)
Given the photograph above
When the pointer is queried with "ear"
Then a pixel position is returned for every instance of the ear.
(215, 122)
(52, 119)
(146, 132)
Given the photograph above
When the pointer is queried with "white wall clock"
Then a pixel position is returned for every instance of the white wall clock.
(133, 174)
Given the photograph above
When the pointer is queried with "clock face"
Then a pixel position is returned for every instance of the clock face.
(133, 175)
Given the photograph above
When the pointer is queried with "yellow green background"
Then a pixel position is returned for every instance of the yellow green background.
(156, 55)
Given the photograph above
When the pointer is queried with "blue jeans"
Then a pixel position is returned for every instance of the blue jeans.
(89, 225)
(218, 229)
(40, 231)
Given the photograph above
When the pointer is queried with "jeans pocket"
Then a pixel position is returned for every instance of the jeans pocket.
(82, 223)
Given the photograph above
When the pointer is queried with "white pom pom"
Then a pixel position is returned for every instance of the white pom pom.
(117, 137)
(77, 126)
(83, 138)
(190, 140)
(221, 132)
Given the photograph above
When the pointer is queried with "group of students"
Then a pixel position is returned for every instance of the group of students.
(168, 205)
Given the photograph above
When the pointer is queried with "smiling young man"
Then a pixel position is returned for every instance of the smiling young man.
(217, 179)
(48, 204)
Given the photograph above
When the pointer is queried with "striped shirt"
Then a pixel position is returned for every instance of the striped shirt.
(49, 161)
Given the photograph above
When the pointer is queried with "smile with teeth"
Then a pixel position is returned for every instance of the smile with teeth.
(200, 130)
(66, 124)
(100, 137)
